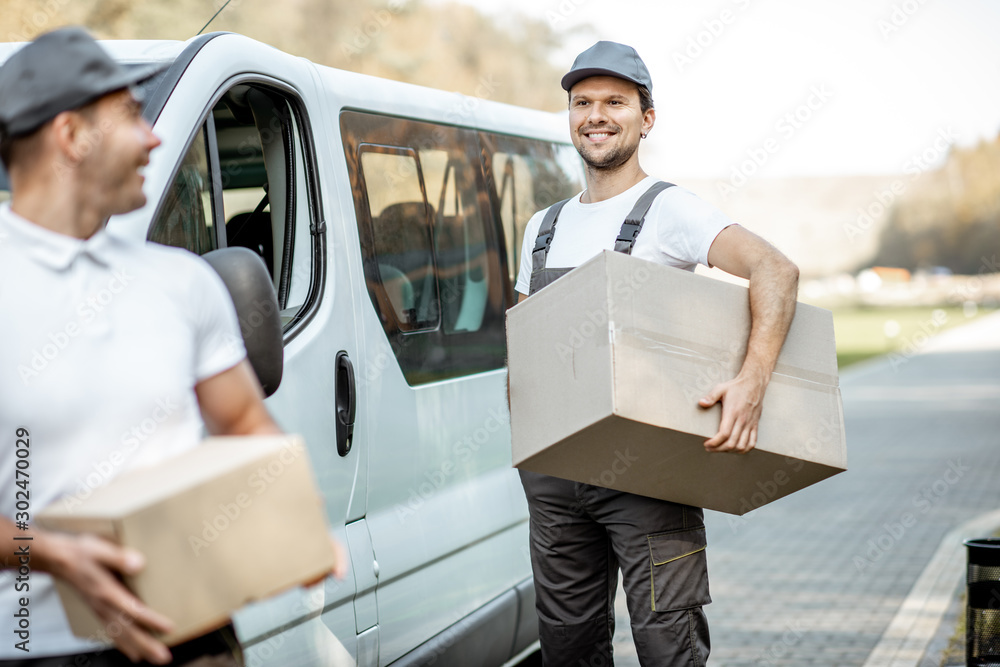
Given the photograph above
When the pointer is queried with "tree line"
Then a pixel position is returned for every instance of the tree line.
(449, 46)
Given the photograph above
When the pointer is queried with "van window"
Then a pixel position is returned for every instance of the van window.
(244, 181)
(419, 187)
(527, 176)
(460, 240)
(401, 222)
(186, 218)
(4, 185)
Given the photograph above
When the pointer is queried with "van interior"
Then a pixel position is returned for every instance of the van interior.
(237, 186)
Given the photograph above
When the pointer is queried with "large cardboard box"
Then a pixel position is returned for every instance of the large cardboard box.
(606, 368)
(233, 520)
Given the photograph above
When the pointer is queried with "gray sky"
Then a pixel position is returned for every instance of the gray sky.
(869, 84)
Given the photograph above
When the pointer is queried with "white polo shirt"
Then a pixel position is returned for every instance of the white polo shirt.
(678, 230)
(101, 344)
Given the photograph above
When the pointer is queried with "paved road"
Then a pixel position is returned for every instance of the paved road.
(817, 577)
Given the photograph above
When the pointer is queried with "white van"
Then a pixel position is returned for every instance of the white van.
(389, 217)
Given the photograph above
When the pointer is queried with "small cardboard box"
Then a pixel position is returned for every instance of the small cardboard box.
(233, 520)
(606, 368)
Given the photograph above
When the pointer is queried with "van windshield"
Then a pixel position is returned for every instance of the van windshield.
(144, 92)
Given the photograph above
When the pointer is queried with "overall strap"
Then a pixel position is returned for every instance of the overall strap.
(633, 221)
(545, 232)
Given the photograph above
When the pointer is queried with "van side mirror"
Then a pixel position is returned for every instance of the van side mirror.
(250, 287)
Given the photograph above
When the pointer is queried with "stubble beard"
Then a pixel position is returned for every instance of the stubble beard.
(611, 161)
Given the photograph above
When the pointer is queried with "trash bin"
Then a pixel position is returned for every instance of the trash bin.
(982, 616)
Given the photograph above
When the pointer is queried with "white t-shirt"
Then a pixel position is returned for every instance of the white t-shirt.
(101, 344)
(678, 230)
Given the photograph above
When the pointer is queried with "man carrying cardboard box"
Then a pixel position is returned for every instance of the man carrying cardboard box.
(112, 353)
(581, 534)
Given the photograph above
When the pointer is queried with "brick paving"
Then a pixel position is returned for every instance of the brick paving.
(815, 578)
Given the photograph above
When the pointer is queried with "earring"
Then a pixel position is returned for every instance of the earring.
(642, 135)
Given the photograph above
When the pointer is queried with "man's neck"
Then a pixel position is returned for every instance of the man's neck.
(61, 214)
(604, 184)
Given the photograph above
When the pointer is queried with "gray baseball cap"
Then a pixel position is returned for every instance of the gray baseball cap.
(609, 59)
(59, 71)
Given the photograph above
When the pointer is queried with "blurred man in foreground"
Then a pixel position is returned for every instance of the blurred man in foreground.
(113, 354)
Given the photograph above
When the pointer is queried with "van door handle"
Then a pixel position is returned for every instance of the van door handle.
(346, 401)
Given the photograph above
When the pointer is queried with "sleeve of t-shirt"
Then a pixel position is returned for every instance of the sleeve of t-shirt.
(218, 341)
(688, 225)
(523, 284)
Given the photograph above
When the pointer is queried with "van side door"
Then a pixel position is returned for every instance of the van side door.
(240, 166)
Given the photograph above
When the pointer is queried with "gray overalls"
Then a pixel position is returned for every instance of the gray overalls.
(580, 535)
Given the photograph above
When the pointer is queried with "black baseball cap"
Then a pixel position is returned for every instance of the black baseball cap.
(59, 71)
(609, 59)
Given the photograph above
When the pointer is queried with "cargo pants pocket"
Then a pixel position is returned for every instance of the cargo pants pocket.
(678, 570)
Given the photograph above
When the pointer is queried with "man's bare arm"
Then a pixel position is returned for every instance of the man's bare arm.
(773, 291)
(232, 403)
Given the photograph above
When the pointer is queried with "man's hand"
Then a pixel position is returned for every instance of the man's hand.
(340, 560)
(773, 289)
(741, 400)
(89, 564)
(339, 570)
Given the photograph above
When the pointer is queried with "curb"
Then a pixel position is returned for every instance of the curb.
(905, 640)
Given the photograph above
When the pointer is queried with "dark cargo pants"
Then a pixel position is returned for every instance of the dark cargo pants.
(580, 535)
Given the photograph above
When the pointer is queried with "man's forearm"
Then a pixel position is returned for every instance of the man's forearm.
(39, 546)
(773, 292)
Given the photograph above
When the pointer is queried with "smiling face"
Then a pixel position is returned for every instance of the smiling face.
(606, 121)
(119, 141)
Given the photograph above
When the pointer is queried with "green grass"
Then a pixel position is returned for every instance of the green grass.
(863, 333)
